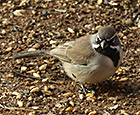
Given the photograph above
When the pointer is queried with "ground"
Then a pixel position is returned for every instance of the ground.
(37, 86)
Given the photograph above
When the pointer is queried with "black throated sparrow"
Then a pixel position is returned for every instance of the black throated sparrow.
(91, 58)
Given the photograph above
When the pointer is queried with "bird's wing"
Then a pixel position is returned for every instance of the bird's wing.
(78, 52)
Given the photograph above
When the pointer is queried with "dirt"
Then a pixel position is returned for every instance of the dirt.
(28, 88)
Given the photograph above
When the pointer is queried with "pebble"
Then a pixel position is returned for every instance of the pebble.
(35, 107)
(93, 113)
(71, 30)
(20, 103)
(45, 80)
(36, 46)
(112, 98)
(24, 2)
(128, 21)
(99, 2)
(23, 68)
(45, 91)
(36, 89)
(138, 113)
(27, 83)
(71, 103)
(123, 112)
(10, 75)
(123, 79)
(52, 87)
(69, 109)
(89, 95)
(36, 75)
(43, 67)
(5, 21)
(32, 113)
(53, 42)
(31, 49)
(18, 12)
(30, 98)
(68, 94)
(3, 32)
(114, 107)
(9, 49)
(81, 96)
(91, 99)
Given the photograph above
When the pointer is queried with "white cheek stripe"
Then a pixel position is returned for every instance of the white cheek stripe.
(95, 46)
(115, 47)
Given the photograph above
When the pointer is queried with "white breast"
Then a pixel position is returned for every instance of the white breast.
(99, 69)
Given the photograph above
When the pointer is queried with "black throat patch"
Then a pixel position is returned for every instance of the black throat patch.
(113, 54)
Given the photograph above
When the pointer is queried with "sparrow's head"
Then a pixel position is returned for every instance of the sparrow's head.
(107, 43)
(106, 37)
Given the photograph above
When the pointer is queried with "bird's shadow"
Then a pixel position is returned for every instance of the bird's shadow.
(115, 88)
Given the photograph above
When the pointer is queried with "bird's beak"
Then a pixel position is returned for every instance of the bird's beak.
(104, 44)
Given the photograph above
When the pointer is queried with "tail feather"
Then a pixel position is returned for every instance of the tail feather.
(29, 54)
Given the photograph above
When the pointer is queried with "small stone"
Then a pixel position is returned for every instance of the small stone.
(31, 49)
(27, 83)
(23, 68)
(89, 95)
(46, 92)
(36, 89)
(36, 46)
(52, 42)
(20, 103)
(43, 67)
(52, 87)
(35, 107)
(138, 113)
(19, 12)
(32, 113)
(99, 2)
(9, 49)
(45, 88)
(92, 99)
(24, 2)
(3, 32)
(71, 30)
(112, 98)
(114, 107)
(5, 21)
(69, 109)
(10, 75)
(30, 98)
(123, 79)
(93, 113)
(123, 112)
(128, 21)
(45, 80)
(36, 75)
(68, 94)
(81, 96)
(71, 103)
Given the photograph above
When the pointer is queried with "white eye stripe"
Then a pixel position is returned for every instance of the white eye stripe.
(111, 37)
(98, 38)
(115, 47)
(95, 46)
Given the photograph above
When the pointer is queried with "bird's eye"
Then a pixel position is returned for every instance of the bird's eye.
(98, 40)
(112, 41)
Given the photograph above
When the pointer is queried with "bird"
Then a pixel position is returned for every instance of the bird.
(89, 59)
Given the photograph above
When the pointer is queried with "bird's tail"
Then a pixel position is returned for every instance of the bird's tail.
(29, 54)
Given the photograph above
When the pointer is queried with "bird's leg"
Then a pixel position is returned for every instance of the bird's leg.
(85, 90)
